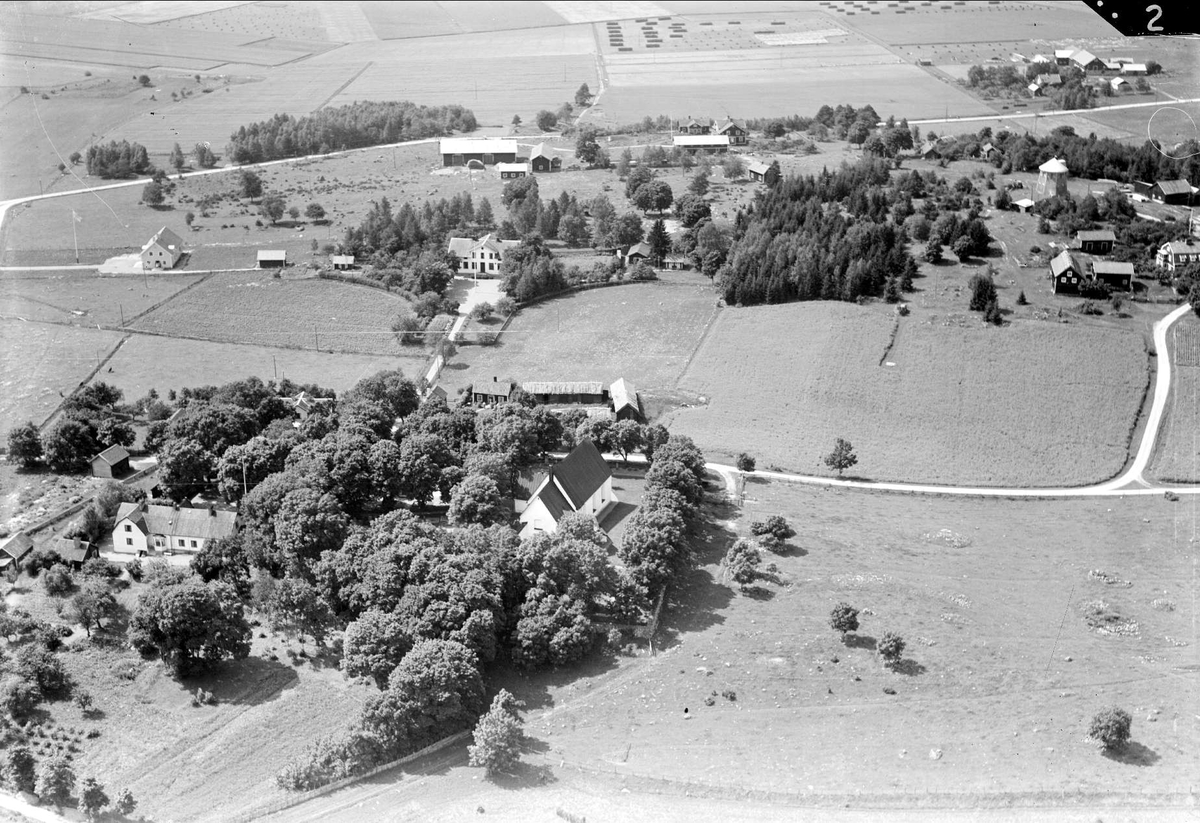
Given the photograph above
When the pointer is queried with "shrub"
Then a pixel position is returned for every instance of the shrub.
(41, 666)
(890, 648)
(58, 580)
(19, 696)
(844, 618)
(772, 532)
(1110, 727)
(745, 463)
(742, 562)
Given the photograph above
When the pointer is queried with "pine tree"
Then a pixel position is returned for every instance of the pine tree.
(660, 241)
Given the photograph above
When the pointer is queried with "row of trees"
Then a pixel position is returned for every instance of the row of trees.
(359, 124)
(119, 160)
(92, 419)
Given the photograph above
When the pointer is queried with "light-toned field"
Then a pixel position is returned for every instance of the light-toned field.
(1000, 677)
(642, 332)
(149, 362)
(971, 22)
(391, 21)
(297, 21)
(301, 313)
(1169, 123)
(1178, 456)
(187, 763)
(961, 403)
(84, 298)
(42, 363)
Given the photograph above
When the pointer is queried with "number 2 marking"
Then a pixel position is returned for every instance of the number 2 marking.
(1157, 9)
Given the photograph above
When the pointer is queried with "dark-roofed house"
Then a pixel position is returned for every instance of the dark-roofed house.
(110, 463)
(13, 550)
(641, 251)
(693, 126)
(145, 527)
(484, 393)
(1066, 273)
(582, 482)
(459, 151)
(162, 251)
(735, 131)
(73, 551)
(563, 391)
(929, 150)
(542, 162)
(272, 259)
(625, 400)
(1172, 192)
(757, 170)
(1118, 276)
(1095, 242)
(1087, 61)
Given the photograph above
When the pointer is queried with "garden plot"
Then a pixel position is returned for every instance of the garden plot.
(946, 401)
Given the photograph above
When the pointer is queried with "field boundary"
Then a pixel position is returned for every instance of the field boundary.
(90, 376)
(167, 299)
(344, 86)
(708, 327)
(295, 800)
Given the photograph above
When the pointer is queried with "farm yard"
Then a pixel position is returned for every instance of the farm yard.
(42, 362)
(291, 312)
(1014, 407)
(644, 332)
(147, 362)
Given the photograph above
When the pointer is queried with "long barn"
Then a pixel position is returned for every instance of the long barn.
(458, 151)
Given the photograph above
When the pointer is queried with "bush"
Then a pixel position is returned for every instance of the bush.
(19, 696)
(745, 463)
(58, 580)
(772, 532)
(844, 619)
(890, 648)
(1110, 727)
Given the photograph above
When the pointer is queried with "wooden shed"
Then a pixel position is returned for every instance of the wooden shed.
(111, 463)
(566, 392)
(272, 259)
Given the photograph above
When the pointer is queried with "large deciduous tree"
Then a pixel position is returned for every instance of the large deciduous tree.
(190, 625)
(25, 445)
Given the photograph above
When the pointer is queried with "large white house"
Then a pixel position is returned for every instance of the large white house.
(582, 482)
(482, 256)
(162, 251)
(150, 527)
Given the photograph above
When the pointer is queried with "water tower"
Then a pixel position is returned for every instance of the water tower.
(1052, 180)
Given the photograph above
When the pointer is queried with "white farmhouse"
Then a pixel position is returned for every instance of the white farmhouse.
(143, 527)
(482, 256)
(162, 251)
(582, 482)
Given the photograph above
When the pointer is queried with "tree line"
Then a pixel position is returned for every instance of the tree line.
(356, 125)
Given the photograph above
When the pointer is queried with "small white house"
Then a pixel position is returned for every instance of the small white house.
(162, 251)
(151, 527)
(582, 482)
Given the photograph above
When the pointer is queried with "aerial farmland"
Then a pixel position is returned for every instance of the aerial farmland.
(624, 410)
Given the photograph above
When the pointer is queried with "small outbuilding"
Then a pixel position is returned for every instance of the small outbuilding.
(511, 171)
(73, 550)
(1096, 242)
(702, 143)
(566, 392)
(342, 262)
(272, 259)
(1117, 276)
(625, 400)
(111, 463)
(1171, 192)
(757, 171)
(675, 262)
(13, 550)
(541, 161)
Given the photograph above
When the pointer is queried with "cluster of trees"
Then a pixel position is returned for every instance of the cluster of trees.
(563, 218)
(92, 420)
(54, 781)
(824, 237)
(123, 159)
(890, 646)
(359, 124)
(647, 191)
(966, 238)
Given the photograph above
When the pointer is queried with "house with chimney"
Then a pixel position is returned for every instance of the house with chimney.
(153, 528)
(582, 482)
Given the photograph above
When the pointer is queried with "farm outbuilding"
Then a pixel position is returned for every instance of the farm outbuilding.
(706, 143)
(1087, 61)
(1023, 205)
(1096, 242)
(565, 392)
(757, 170)
(625, 400)
(1113, 274)
(459, 151)
(74, 551)
(1172, 192)
(1066, 273)
(13, 550)
(675, 262)
(1133, 69)
(341, 262)
(541, 162)
(112, 462)
(272, 259)
(511, 171)
(162, 251)
(638, 253)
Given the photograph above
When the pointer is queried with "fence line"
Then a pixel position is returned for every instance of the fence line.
(295, 800)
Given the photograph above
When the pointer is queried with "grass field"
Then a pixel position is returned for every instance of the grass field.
(43, 362)
(148, 362)
(644, 333)
(85, 299)
(1013, 406)
(302, 313)
(1178, 456)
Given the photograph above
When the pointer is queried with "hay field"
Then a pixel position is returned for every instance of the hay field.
(41, 363)
(1177, 458)
(255, 308)
(294, 21)
(961, 404)
(392, 21)
(85, 299)
(972, 22)
(147, 362)
(643, 332)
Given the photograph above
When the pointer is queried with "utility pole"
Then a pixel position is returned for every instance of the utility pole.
(274, 367)
(122, 308)
(74, 234)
